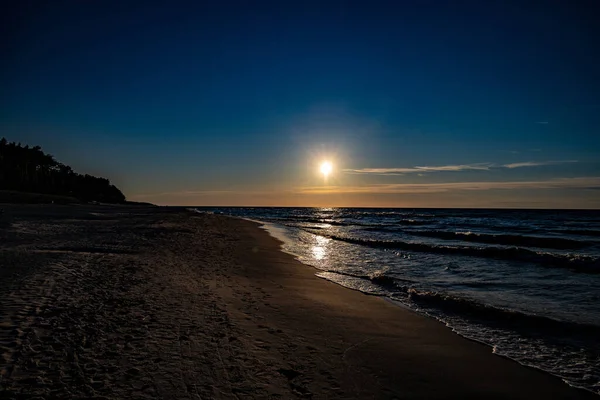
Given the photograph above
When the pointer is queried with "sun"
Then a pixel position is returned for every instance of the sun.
(326, 168)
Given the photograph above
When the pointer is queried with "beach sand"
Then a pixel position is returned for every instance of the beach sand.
(143, 302)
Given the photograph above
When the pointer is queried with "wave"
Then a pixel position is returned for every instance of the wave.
(385, 215)
(498, 316)
(584, 232)
(394, 227)
(297, 219)
(527, 338)
(379, 277)
(515, 240)
(365, 225)
(470, 309)
(580, 263)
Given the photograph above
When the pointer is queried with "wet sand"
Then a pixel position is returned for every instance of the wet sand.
(142, 302)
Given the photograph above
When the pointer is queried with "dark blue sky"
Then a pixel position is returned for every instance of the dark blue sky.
(238, 102)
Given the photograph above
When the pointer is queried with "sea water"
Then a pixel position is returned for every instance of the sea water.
(525, 282)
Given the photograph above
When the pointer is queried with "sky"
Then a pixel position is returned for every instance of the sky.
(415, 103)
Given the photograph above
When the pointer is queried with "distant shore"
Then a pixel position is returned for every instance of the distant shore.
(155, 302)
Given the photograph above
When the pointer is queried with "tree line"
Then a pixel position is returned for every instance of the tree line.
(29, 169)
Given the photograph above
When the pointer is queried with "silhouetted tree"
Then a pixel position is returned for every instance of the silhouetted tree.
(31, 170)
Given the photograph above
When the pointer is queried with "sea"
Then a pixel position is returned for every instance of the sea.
(524, 282)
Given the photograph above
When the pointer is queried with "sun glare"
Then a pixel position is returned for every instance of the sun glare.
(326, 168)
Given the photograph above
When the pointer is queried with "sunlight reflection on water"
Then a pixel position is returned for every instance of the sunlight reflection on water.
(442, 281)
(319, 250)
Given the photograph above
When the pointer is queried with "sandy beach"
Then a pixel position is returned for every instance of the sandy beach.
(147, 302)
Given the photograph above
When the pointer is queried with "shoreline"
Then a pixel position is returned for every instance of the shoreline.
(266, 227)
(447, 330)
(165, 303)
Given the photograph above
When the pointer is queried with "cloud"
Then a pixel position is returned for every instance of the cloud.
(481, 166)
(536, 163)
(398, 188)
(452, 168)
(397, 171)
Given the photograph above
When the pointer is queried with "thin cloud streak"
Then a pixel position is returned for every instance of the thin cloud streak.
(537, 164)
(398, 188)
(452, 168)
(395, 171)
